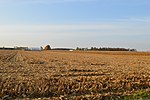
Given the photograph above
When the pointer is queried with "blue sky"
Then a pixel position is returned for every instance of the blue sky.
(72, 23)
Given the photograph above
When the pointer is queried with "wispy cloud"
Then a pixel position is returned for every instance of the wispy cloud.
(117, 28)
(134, 19)
(58, 27)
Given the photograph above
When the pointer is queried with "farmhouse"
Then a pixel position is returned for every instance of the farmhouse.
(35, 49)
(21, 48)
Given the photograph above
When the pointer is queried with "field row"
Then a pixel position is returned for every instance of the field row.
(73, 75)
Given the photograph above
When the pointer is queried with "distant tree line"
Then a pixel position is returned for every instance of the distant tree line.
(15, 48)
(48, 47)
(104, 49)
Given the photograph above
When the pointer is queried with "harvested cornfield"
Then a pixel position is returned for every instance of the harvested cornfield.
(73, 75)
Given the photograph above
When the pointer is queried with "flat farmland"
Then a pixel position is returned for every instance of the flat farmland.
(75, 75)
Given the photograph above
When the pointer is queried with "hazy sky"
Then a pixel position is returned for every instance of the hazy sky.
(72, 23)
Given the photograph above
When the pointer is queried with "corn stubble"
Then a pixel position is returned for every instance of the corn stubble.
(72, 75)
